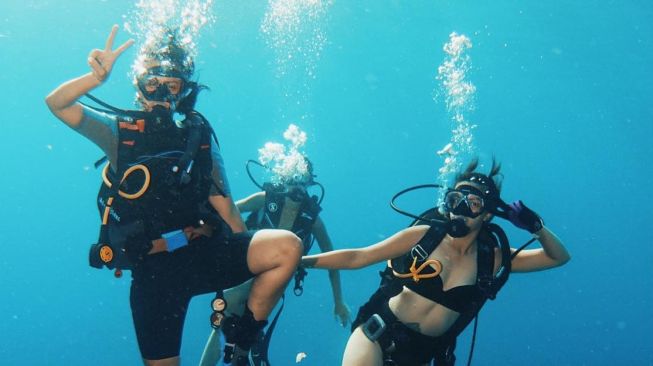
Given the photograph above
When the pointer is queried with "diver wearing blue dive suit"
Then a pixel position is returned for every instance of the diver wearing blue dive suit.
(165, 204)
(439, 275)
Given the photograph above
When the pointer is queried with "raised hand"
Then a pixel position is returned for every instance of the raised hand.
(101, 61)
(524, 218)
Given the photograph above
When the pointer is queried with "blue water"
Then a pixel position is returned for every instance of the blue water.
(563, 100)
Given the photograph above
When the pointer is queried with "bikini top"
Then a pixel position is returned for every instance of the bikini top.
(422, 275)
(459, 299)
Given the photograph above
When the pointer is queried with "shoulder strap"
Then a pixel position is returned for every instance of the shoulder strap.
(485, 269)
(195, 124)
(429, 241)
(311, 204)
(488, 283)
(422, 249)
(207, 124)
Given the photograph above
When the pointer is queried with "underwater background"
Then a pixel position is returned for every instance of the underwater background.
(563, 98)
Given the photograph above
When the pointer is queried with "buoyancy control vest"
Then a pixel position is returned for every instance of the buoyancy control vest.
(269, 216)
(488, 284)
(160, 184)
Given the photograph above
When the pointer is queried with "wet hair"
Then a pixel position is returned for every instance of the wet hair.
(187, 104)
(491, 182)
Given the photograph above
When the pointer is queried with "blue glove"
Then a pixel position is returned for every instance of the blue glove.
(524, 218)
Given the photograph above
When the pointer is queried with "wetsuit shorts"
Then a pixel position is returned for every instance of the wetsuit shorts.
(163, 284)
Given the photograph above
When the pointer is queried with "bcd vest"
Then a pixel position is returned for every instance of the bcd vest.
(269, 216)
(160, 184)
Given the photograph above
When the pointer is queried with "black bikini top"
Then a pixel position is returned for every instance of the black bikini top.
(422, 275)
(459, 299)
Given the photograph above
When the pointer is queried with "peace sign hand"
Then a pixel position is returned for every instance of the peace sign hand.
(101, 61)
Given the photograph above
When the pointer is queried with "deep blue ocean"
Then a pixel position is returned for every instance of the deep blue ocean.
(563, 99)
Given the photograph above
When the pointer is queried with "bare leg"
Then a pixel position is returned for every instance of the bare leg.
(360, 351)
(172, 361)
(236, 299)
(273, 257)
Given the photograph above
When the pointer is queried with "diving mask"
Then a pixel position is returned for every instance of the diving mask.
(465, 201)
(158, 88)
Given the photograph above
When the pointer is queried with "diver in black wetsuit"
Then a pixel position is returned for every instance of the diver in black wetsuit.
(167, 214)
(439, 275)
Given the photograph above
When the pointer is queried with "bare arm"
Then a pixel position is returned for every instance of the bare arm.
(324, 241)
(552, 254)
(251, 203)
(391, 247)
(229, 212)
(62, 101)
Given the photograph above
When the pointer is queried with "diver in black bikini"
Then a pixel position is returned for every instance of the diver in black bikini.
(439, 275)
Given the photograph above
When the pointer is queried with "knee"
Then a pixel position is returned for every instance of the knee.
(278, 247)
(290, 247)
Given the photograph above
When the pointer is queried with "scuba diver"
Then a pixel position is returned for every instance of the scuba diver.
(284, 204)
(440, 272)
(165, 204)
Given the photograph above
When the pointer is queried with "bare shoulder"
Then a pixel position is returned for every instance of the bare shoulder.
(407, 237)
(415, 231)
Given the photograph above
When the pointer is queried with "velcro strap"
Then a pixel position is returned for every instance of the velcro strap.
(173, 240)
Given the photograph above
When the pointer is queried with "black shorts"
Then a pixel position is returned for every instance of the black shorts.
(164, 283)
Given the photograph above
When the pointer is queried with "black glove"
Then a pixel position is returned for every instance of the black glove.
(524, 218)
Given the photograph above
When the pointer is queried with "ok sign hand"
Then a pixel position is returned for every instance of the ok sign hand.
(101, 61)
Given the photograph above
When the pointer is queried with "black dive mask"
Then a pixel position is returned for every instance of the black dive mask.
(156, 89)
(465, 200)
